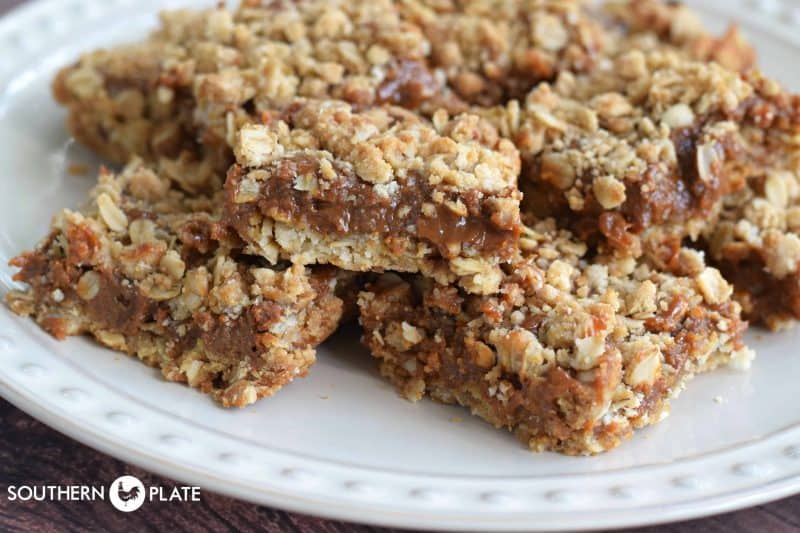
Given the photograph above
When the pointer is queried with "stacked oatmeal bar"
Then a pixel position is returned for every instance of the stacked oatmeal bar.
(631, 156)
(642, 153)
(378, 189)
(553, 213)
(756, 241)
(755, 236)
(570, 355)
(184, 92)
(149, 271)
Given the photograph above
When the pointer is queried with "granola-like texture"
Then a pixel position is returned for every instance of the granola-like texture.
(756, 242)
(493, 50)
(651, 24)
(571, 355)
(636, 156)
(390, 135)
(378, 189)
(203, 73)
(149, 271)
(185, 91)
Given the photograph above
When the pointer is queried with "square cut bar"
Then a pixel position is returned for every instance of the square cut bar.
(756, 241)
(570, 355)
(379, 189)
(653, 24)
(148, 271)
(756, 244)
(638, 155)
(204, 73)
(493, 50)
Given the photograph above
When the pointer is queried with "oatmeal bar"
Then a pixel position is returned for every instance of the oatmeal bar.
(203, 73)
(756, 242)
(571, 355)
(636, 156)
(378, 189)
(651, 24)
(493, 50)
(150, 272)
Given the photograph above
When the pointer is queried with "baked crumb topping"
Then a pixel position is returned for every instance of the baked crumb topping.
(203, 74)
(571, 354)
(630, 156)
(535, 185)
(493, 50)
(378, 189)
(149, 271)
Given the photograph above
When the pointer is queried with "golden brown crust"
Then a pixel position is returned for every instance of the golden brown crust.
(203, 74)
(150, 272)
(631, 156)
(378, 189)
(570, 355)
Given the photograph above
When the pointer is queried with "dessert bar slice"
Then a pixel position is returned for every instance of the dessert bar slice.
(149, 271)
(378, 189)
(652, 24)
(571, 355)
(756, 242)
(490, 51)
(636, 156)
(204, 73)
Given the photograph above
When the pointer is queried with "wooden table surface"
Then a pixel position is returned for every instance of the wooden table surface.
(33, 454)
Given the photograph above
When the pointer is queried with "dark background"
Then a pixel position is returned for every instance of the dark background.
(33, 454)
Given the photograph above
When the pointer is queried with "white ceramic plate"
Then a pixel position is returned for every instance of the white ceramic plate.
(340, 443)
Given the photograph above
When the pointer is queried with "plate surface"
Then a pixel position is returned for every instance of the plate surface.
(340, 443)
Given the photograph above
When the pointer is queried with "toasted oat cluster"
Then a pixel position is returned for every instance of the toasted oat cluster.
(651, 24)
(183, 93)
(562, 209)
(378, 189)
(148, 271)
(570, 355)
(631, 156)
(203, 73)
(757, 245)
(493, 50)
(756, 241)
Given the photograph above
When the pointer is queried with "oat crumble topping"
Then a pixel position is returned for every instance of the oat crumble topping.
(571, 355)
(566, 210)
(148, 271)
(378, 189)
(630, 156)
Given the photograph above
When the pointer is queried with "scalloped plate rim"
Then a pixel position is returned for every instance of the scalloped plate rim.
(357, 510)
